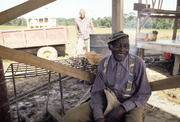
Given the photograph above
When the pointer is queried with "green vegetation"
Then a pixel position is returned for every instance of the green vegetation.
(9, 27)
(17, 22)
(65, 22)
(129, 22)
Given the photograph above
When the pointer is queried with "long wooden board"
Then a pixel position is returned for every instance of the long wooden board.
(29, 59)
(168, 83)
(21, 9)
(161, 45)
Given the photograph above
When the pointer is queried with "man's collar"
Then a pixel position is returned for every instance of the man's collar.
(124, 63)
(81, 19)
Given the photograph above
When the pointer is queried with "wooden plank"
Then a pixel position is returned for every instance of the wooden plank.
(176, 65)
(160, 46)
(164, 84)
(55, 115)
(158, 11)
(21, 9)
(144, 20)
(159, 16)
(29, 59)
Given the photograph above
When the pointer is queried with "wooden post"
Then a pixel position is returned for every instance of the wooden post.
(137, 28)
(5, 114)
(176, 65)
(117, 15)
(141, 53)
(175, 27)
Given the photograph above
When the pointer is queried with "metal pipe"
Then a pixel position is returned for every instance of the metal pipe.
(15, 93)
(61, 93)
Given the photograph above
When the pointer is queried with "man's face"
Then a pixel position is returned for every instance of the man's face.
(120, 48)
(82, 13)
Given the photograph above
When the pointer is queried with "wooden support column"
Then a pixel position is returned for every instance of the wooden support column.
(21, 9)
(137, 28)
(117, 15)
(141, 53)
(5, 114)
(176, 65)
(176, 21)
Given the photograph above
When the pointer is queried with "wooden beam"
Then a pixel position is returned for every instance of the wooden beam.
(29, 59)
(158, 11)
(176, 65)
(117, 15)
(176, 21)
(144, 20)
(164, 84)
(160, 16)
(21, 9)
(56, 117)
(160, 46)
(5, 114)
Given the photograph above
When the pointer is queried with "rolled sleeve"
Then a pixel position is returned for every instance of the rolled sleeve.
(128, 105)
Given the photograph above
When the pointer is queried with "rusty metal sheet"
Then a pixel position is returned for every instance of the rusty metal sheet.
(56, 36)
(35, 37)
(13, 39)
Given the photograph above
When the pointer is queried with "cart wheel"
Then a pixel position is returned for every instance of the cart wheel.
(49, 53)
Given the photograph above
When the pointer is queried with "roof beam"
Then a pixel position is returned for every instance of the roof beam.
(21, 9)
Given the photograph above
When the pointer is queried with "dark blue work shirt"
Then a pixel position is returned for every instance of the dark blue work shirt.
(117, 78)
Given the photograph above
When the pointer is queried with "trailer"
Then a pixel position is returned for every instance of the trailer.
(45, 42)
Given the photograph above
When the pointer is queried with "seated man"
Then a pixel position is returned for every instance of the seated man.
(125, 75)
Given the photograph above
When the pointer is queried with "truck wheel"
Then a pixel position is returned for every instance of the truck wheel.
(49, 53)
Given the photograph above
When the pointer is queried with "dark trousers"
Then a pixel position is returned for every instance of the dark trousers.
(83, 113)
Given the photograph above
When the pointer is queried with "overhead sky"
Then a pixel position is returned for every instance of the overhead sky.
(70, 8)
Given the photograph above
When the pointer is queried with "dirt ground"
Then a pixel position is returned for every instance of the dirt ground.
(162, 106)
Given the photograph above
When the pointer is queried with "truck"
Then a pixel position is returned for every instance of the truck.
(46, 42)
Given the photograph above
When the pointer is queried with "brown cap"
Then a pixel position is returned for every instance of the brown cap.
(117, 35)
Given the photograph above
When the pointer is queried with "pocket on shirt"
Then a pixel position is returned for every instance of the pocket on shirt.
(131, 92)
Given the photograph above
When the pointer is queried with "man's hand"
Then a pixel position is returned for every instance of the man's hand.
(100, 120)
(115, 114)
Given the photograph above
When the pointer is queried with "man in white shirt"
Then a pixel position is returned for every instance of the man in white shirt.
(84, 27)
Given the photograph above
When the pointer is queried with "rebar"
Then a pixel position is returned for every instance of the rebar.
(61, 93)
(48, 89)
(15, 93)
